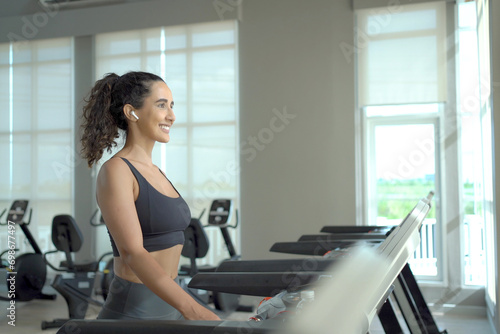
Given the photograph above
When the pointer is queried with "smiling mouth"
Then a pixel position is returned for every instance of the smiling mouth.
(165, 128)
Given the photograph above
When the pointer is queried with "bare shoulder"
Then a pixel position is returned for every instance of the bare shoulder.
(114, 167)
(115, 197)
(114, 176)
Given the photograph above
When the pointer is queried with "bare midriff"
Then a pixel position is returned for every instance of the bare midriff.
(167, 258)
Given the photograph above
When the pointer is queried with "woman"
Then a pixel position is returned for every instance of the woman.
(144, 213)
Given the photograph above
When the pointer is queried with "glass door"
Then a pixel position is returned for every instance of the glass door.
(403, 169)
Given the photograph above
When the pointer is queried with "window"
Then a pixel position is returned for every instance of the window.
(36, 132)
(422, 132)
(199, 63)
(404, 152)
(402, 88)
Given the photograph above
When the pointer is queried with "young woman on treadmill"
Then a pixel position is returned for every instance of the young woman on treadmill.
(144, 213)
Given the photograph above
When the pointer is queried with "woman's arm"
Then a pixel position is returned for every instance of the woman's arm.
(116, 200)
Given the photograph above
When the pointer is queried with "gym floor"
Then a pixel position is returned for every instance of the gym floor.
(29, 316)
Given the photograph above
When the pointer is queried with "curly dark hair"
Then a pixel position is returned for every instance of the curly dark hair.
(103, 112)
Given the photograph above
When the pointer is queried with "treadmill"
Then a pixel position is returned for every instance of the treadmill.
(265, 276)
(391, 255)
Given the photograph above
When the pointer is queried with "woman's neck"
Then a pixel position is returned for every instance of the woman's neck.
(134, 151)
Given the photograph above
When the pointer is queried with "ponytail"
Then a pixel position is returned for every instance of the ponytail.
(103, 111)
(99, 128)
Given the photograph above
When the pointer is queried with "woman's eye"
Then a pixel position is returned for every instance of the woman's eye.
(162, 105)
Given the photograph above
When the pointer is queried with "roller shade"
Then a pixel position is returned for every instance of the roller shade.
(401, 54)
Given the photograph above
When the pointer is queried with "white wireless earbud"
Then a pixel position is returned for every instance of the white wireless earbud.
(133, 114)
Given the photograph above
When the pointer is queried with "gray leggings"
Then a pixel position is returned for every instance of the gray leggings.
(129, 300)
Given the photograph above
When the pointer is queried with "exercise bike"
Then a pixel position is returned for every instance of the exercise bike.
(196, 246)
(26, 274)
(104, 276)
(75, 280)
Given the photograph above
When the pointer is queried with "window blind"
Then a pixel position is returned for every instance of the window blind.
(401, 54)
(36, 130)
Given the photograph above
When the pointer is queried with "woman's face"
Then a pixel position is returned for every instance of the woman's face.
(156, 115)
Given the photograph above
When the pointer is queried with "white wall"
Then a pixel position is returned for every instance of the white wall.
(304, 177)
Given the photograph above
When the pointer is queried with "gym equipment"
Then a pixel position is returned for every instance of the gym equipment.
(27, 271)
(406, 292)
(357, 229)
(336, 238)
(77, 282)
(196, 246)
(197, 240)
(350, 300)
(317, 247)
(343, 237)
(105, 276)
(167, 327)
(220, 215)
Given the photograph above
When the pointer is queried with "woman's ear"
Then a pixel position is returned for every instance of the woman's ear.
(129, 113)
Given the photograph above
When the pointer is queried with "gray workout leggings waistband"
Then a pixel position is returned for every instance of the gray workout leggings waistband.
(129, 300)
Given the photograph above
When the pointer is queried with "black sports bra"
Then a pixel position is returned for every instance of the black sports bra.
(163, 219)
